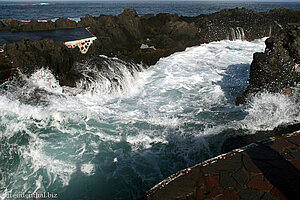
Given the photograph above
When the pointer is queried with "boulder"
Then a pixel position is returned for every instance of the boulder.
(14, 25)
(130, 21)
(65, 23)
(29, 56)
(275, 70)
(180, 30)
(7, 69)
(87, 21)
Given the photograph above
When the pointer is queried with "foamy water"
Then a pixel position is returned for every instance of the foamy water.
(111, 142)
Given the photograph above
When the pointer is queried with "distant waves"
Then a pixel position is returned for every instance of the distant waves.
(74, 10)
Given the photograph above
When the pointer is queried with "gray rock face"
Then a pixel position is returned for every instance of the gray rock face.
(275, 70)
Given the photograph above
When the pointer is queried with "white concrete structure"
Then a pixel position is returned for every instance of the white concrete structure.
(297, 68)
(82, 44)
(145, 46)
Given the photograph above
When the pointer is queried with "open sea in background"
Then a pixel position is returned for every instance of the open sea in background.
(111, 143)
(74, 10)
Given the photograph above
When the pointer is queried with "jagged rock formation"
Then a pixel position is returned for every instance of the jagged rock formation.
(28, 56)
(123, 35)
(276, 69)
(34, 25)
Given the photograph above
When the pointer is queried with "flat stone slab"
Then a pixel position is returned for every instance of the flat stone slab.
(268, 169)
(61, 35)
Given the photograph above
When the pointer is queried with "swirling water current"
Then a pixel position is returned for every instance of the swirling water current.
(116, 144)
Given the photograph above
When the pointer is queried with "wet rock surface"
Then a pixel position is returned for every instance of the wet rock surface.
(123, 35)
(275, 70)
(28, 56)
(250, 174)
(263, 170)
(235, 140)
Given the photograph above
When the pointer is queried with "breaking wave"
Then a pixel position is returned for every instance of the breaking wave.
(123, 129)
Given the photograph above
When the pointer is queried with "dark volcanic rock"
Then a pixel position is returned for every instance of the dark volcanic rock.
(130, 21)
(65, 23)
(275, 70)
(7, 69)
(123, 35)
(29, 56)
(34, 25)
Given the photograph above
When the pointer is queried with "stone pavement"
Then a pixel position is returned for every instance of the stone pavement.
(264, 170)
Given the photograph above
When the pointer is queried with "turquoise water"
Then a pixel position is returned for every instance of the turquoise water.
(112, 141)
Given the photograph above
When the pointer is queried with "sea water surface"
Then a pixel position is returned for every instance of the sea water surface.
(52, 10)
(115, 142)
(109, 143)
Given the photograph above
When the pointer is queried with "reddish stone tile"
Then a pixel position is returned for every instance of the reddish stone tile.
(250, 194)
(294, 139)
(268, 196)
(212, 182)
(276, 193)
(296, 154)
(296, 163)
(287, 156)
(200, 194)
(229, 194)
(227, 181)
(280, 144)
(249, 164)
(260, 184)
(213, 194)
(201, 182)
(241, 177)
(226, 163)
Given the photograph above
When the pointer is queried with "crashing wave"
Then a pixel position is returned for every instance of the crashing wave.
(103, 75)
(237, 33)
(100, 76)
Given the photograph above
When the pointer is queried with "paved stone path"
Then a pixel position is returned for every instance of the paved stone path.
(264, 170)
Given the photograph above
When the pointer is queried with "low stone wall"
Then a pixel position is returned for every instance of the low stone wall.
(262, 170)
(82, 44)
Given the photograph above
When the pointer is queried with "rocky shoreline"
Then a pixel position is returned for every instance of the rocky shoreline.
(125, 36)
(146, 39)
(277, 69)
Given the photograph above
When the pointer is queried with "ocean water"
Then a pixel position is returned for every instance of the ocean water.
(51, 10)
(112, 143)
(107, 141)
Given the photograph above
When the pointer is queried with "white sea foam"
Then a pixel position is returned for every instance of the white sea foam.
(38, 4)
(44, 79)
(116, 80)
(151, 124)
(267, 111)
(44, 4)
(76, 19)
(88, 169)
